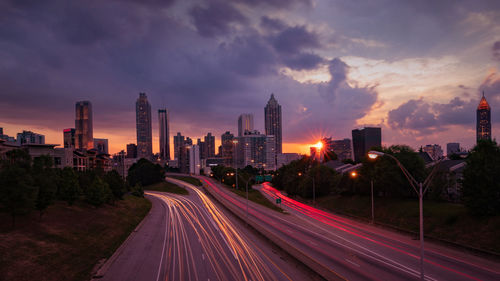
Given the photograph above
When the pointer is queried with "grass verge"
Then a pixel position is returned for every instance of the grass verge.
(167, 187)
(257, 197)
(188, 179)
(69, 240)
(442, 220)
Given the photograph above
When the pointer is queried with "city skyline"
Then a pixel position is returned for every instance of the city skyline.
(341, 74)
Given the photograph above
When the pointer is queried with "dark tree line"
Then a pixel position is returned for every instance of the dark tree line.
(34, 184)
(480, 184)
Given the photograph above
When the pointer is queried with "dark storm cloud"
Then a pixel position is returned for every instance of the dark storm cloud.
(276, 3)
(422, 117)
(216, 18)
(294, 39)
(272, 24)
(58, 53)
(303, 61)
(248, 55)
(496, 50)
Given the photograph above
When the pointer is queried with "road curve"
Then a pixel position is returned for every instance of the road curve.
(190, 238)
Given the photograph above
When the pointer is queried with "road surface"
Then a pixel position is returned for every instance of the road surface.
(190, 238)
(350, 250)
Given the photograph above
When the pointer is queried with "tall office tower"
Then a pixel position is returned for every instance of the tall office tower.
(28, 137)
(163, 119)
(69, 138)
(144, 131)
(83, 125)
(483, 117)
(178, 141)
(452, 148)
(365, 139)
(209, 145)
(245, 123)
(342, 148)
(101, 145)
(203, 148)
(194, 159)
(131, 150)
(434, 150)
(272, 115)
(227, 148)
(256, 150)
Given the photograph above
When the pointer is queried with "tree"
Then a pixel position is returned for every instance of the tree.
(45, 178)
(481, 185)
(145, 172)
(137, 190)
(387, 176)
(17, 192)
(115, 183)
(69, 188)
(98, 192)
(324, 181)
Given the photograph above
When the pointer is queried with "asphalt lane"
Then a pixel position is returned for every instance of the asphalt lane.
(350, 250)
(191, 238)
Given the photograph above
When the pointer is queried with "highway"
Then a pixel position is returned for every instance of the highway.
(188, 237)
(352, 250)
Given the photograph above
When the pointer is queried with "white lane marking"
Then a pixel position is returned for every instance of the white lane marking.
(349, 261)
(312, 243)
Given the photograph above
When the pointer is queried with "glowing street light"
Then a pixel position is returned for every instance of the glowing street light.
(299, 174)
(354, 174)
(374, 154)
(420, 192)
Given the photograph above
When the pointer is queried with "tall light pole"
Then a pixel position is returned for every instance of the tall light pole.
(421, 192)
(235, 142)
(354, 174)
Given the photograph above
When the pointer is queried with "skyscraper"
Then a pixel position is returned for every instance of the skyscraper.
(209, 146)
(69, 138)
(272, 116)
(83, 125)
(178, 142)
(483, 117)
(256, 150)
(245, 123)
(227, 148)
(143, 125)
(365, 139)
(163, 119)
(131, 150)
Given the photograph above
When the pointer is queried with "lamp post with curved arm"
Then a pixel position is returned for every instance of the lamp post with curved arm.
(420, 192)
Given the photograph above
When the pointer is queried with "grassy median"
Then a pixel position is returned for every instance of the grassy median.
(69, 240)
(166, 186)
(188, 179)
(257, 197)
(442, 220)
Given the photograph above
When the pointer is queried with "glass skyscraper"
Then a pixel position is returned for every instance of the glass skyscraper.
(163, 119)
(272, 116)
(143, 125)
(483, 119)
(84, 137)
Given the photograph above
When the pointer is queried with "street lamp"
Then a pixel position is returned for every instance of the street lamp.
(355, 174)
(235, 142)
(421, 192)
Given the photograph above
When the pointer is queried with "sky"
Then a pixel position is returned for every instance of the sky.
(415, 68)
